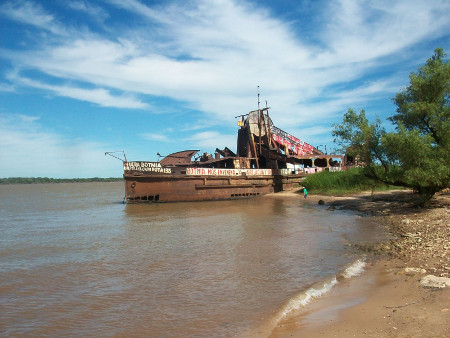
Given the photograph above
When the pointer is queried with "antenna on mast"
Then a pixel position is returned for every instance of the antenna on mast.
(258, 97)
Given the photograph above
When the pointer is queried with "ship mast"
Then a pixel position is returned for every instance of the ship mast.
(259, 124)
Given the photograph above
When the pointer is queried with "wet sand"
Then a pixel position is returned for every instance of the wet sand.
(386, 300)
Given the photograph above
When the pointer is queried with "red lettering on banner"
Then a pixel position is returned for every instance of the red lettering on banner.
(227, 172)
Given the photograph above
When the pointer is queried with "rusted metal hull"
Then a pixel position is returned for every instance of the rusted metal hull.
(185, 188)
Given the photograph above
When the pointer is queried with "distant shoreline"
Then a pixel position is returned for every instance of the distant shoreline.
(40, 180)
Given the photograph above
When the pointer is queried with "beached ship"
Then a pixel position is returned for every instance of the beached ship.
(267, 160)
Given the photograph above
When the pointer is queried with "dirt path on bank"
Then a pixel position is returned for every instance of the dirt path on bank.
(389, 298)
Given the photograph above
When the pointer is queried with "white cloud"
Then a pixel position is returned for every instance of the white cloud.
(363, 31)
(212, 140)
(87, 7)
(6, 87)
(98, 96)
(32, 14)
(138, 7)
(27, 149)
(155, 137)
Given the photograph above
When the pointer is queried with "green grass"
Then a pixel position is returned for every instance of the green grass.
(342, 182)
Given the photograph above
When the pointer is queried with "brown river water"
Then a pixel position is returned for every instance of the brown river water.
(76, 261)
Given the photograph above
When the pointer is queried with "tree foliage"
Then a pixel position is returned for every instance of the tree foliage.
(424, 104)
(416, 154)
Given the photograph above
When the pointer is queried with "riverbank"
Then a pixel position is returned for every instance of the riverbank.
(388, 300)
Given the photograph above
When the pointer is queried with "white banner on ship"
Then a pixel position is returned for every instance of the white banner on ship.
(146, 166)
(228, 172)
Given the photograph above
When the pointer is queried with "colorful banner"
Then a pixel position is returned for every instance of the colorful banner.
(294, 144)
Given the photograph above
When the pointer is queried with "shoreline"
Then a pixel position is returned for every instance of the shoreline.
(47, 180)
(387, 299)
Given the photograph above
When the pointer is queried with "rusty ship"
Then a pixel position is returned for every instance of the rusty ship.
(267, 160)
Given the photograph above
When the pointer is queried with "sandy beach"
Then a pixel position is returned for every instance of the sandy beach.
(388, 299)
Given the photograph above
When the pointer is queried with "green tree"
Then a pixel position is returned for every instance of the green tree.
(424, 104)
(361, 138)
(416, 155)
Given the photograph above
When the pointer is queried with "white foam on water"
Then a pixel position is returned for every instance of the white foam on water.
(316, 291)
(312, 293)
(304, 298)
(355, 269)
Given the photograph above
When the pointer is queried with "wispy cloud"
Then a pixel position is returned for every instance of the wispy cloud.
(6, 87)
(211, 140)
(98, 96)
(87, 7)
(213, 51)
(363, 31)
(32, 14)
(155, 137)
(26, 144)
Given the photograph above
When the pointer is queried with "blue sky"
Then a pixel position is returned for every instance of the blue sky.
(80, 77)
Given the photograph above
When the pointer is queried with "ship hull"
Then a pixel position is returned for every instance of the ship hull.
(185, 188)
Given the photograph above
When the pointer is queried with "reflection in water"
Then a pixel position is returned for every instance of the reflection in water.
(74, 261)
